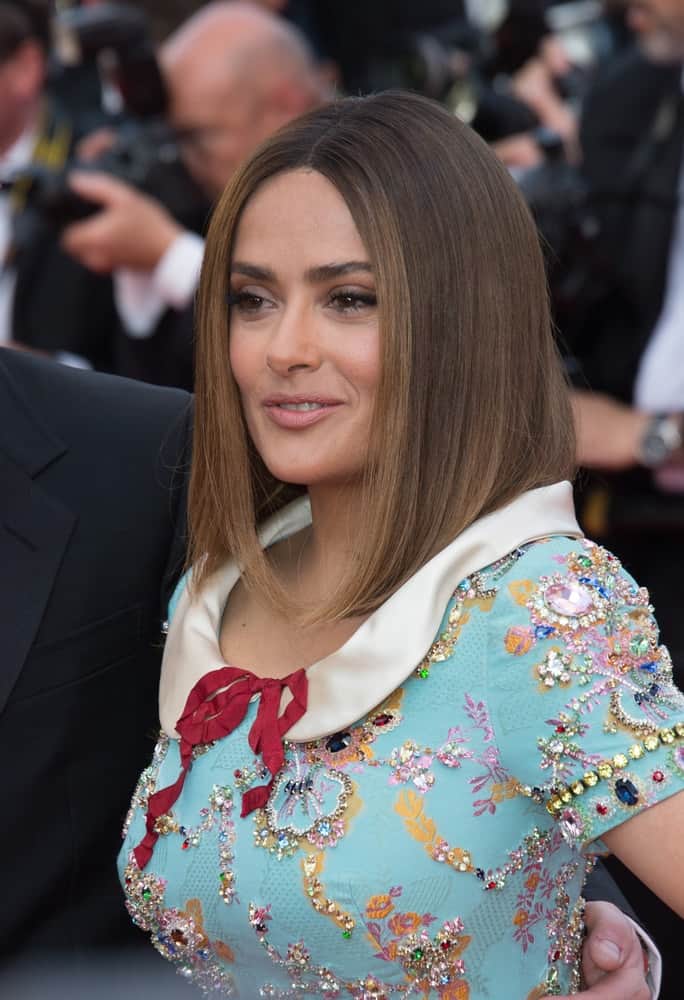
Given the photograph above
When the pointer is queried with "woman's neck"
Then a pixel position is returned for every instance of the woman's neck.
(319, 556)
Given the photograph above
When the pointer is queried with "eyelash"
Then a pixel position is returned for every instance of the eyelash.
(248, 303)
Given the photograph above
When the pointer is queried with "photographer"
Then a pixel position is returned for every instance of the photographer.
(234, 74)
(47, 300)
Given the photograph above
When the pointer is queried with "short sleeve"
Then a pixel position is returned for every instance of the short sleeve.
(585, 709)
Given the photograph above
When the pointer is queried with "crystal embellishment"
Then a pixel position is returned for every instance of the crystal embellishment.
(569, 598)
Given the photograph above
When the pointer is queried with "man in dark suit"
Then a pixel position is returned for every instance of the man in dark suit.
(92, 515)
(91, 524)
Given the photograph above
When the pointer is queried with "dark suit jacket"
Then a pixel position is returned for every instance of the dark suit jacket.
(90, 502)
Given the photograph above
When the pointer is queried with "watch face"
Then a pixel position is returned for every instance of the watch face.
(654, 448)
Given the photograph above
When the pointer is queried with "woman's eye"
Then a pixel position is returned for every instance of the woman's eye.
(245, 302)
(351, 301)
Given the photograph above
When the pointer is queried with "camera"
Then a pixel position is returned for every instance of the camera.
(114, 41)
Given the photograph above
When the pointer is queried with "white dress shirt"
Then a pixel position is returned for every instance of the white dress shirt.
(19, 155)
(141, 298)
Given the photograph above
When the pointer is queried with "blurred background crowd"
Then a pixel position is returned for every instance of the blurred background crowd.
(121, 123)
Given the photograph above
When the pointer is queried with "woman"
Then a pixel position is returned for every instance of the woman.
(393, 737)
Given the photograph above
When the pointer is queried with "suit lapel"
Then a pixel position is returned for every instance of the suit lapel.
(34, 529)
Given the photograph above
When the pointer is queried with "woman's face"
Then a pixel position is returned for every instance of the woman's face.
(304, 339)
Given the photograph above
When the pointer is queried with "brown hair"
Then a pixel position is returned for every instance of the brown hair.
(472, 407)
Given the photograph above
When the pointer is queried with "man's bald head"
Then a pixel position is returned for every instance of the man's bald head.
(235, 74)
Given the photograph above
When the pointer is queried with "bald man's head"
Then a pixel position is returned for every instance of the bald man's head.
(235, 74)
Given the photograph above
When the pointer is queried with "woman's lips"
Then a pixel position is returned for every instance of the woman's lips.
(296, 414)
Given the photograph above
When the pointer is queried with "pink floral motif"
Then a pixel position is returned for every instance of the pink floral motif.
(477, 711)
(385, 932)
(531, 905)
(495, 776)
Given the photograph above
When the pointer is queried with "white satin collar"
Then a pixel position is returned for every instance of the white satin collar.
(387, 647)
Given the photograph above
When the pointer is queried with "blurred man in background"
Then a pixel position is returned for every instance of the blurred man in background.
(47, 300)
(235, 74)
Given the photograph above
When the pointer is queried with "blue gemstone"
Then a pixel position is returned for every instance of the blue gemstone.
(638, 697)
(627, 792)
(324, 827)
(653, 690)
(543, 631)
(340, 741)
(651, 667)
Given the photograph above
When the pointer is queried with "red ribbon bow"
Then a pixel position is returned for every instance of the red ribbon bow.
(215, 707)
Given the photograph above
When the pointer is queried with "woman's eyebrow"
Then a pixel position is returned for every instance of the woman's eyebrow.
(252, 271)
(315, 275)
(326, 272)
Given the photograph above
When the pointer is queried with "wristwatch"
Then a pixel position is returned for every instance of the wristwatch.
(662, 437)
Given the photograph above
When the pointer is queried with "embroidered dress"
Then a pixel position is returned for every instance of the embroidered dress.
(407, 820)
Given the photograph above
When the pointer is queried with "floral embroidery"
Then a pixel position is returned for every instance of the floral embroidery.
(307, 804)
(431, 962)
(565, 930)
(471, 592)
(535, 847)
(147, 782)
(352, 748)
(308, 978)
(622, 660)
(178, 935)
(221, 807)
(312, 866)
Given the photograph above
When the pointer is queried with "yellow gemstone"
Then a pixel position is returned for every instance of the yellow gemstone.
(651, 743)
(590, 779)
(619, 760)
(679, 729)
(605, 769)
(636, 751)
(666, 736)
(554, 804)
(566, 795)
(577, 788)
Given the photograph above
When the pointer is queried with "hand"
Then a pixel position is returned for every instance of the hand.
(608, 432)
(535, 86)
(92, 146)
(612, 958)
(520, 151)
(132, 230)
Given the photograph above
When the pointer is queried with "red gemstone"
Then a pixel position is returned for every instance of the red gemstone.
(237, 774)
(601, 809)
(556, 956)
(491, 885)
(383, 719)
(658, 776)
(185, 845)
(445, 945)
(560, 729)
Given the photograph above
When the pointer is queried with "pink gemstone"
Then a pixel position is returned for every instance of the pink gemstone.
(570, 599)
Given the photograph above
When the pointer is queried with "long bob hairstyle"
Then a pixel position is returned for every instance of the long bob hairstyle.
(472, 407)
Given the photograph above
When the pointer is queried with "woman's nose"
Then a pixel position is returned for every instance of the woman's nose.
(294, 344)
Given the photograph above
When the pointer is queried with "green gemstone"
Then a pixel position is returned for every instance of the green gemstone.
(639, 645)
(346, 934)
(423, 673)
(585, 561)
(417, 954)
(147, 895)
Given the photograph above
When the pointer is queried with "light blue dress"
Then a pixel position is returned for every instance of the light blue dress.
(438, 847)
